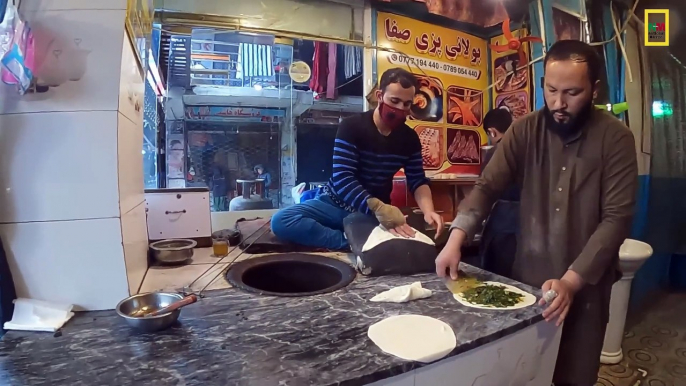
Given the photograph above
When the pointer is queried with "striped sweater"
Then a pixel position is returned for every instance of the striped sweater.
(365, 161)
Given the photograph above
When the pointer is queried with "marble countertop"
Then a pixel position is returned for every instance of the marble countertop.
(235, 338)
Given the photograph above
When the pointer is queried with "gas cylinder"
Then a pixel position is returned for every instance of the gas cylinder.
(248, 201)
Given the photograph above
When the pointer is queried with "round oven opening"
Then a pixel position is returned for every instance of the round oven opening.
(291, 274)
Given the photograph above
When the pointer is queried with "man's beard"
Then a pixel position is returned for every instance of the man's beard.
(574, 122)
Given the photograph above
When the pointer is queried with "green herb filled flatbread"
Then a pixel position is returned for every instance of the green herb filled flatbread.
(496, 296)
(493, 296)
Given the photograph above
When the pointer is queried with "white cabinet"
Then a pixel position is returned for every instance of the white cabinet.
(179, 214)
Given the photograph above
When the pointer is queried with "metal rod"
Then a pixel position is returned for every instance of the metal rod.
(229, 265)
(190, 286)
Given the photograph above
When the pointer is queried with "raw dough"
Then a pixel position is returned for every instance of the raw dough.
(403, 293)
(380, 235)
(413, 337)
(527, 300)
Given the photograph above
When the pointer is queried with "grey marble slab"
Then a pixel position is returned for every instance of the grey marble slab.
(235, 338)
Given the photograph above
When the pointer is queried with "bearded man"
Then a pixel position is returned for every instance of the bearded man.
(576, 170)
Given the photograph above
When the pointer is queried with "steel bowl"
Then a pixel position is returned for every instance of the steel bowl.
(173, 251)
(129, 307)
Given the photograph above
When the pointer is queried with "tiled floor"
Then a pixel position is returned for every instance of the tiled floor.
(175, 279)
(654, 347)
(200, 270)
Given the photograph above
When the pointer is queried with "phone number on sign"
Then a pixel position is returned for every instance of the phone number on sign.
(434, 65)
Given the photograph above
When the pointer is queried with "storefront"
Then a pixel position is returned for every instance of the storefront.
(226, 144)
(236, 101)
(461, 76)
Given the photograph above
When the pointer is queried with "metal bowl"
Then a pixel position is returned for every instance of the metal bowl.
(152, 301)
(173, 251)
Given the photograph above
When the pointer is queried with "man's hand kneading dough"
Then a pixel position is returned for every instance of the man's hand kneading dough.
(390, 218)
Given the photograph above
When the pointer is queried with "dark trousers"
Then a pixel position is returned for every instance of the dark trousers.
(220, 204)
(314, 223)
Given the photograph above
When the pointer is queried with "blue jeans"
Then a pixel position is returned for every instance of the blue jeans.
(315, 223)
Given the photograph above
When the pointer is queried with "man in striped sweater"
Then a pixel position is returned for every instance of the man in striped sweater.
(369, 150)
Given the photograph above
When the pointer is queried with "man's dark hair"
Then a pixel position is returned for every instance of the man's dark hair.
(576, 51)
(499, 119)
(398, 75)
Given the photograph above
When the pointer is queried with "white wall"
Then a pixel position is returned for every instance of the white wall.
(70, 160)
(134, 230)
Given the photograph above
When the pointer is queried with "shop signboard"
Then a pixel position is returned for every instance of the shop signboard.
(484, 13)
(512, 89)
(451, 67)
(233, 114)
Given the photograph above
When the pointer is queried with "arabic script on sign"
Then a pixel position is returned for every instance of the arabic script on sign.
(394, 33)
(434, 65)
(239, 112)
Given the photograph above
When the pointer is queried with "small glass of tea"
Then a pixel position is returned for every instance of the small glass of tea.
(220, 247)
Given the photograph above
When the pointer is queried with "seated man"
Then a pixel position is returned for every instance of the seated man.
(499, 237)
(370, 148)
(261, 173)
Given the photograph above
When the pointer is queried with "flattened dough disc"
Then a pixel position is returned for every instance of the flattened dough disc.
(413, 337)
(527, 300)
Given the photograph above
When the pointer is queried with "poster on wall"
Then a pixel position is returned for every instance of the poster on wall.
(512, 89)
(175, 156)
(448, 111)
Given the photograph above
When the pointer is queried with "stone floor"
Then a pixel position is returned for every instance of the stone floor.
(654, 347)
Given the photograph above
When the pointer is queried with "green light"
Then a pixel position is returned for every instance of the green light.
(616, 109)
(662, 109)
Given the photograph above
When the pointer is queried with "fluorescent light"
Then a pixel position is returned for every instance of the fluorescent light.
(157, 79)
(152, 83)
(661, 109)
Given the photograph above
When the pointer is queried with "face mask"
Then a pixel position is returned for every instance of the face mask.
(391, 116)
